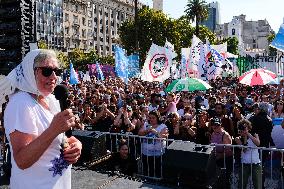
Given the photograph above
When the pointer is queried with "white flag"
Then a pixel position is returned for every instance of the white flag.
(185, 61)
(171, 47)
(195, 53)
(157, 64)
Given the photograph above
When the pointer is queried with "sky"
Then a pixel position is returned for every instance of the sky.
(272, 10)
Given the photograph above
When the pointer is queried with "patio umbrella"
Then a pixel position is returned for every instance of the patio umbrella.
(276, 81)
(188, 84)
(258, 76)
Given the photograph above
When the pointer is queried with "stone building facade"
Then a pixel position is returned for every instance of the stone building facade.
(251, 34)
(94, 23)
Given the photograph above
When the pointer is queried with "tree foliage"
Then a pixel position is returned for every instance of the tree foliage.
(42, 44)
(233, 43)
(63, 59)
(196, 10)
(156, 27)
(272, 51)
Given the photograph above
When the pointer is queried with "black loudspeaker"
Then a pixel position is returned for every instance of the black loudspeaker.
(189, 164)
(93, 145)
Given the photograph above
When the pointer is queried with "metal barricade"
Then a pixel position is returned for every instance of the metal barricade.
(149, 155)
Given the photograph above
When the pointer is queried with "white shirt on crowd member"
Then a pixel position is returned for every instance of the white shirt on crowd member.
(250, 155)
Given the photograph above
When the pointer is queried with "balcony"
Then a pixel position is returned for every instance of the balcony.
(76, 24)
(76, 36)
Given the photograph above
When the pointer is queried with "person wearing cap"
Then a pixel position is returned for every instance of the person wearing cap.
(248, 106)
(220, 136)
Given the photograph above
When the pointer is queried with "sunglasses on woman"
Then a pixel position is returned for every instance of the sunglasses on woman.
(47, 71)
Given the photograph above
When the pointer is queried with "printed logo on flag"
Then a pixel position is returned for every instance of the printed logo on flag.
(158, 65)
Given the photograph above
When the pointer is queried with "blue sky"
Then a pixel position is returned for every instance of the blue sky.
(272, 10)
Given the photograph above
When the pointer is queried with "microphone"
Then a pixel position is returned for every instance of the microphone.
(61, 94)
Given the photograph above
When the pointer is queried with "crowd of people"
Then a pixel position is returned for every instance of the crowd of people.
(228, 113)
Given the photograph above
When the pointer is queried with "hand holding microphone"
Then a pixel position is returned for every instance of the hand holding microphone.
(63, 121)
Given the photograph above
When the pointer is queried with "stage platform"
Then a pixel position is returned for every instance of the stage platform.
(89, 179)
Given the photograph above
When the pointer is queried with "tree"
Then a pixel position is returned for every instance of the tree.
(107, 60)
(42, 44)
(92, 56)
(272, 51)
(233, 43)
(153, 28)
(63, 59)
(78, 58)
(197, 11)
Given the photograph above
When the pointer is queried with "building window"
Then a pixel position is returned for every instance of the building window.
(90, 23)
(75, 19)
(83, 33)
(67, 31)
(90, 14)
(76, 8)
(101, 21)
(84, 21)
(233, 32)
(66, 17)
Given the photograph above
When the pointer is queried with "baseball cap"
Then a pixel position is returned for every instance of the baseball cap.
(216, 121)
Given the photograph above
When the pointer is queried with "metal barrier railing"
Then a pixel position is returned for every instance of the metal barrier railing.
(267, 171)
(148, 153)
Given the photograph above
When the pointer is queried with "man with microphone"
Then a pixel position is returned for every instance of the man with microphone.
(35, 126)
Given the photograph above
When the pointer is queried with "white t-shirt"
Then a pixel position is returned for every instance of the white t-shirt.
(251, 155)
(153, 147)
(24, 114)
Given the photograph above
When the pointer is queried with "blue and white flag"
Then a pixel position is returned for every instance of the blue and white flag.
(73, 75)
(185, 60)
(214, 62)
(133, 66)
(278, 41)
(100, 72)
(121, 63)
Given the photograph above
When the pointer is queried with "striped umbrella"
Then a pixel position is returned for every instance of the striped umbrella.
(258, 76)
(188, 84)
(276, 81)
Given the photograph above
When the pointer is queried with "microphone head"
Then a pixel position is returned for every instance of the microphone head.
(61, 92)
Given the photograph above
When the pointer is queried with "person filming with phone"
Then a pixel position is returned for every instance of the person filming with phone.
(250, 156)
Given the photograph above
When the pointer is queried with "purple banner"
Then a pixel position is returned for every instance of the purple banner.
(107, 70)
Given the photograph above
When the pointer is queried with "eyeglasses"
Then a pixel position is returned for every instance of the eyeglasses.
(47, 71)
